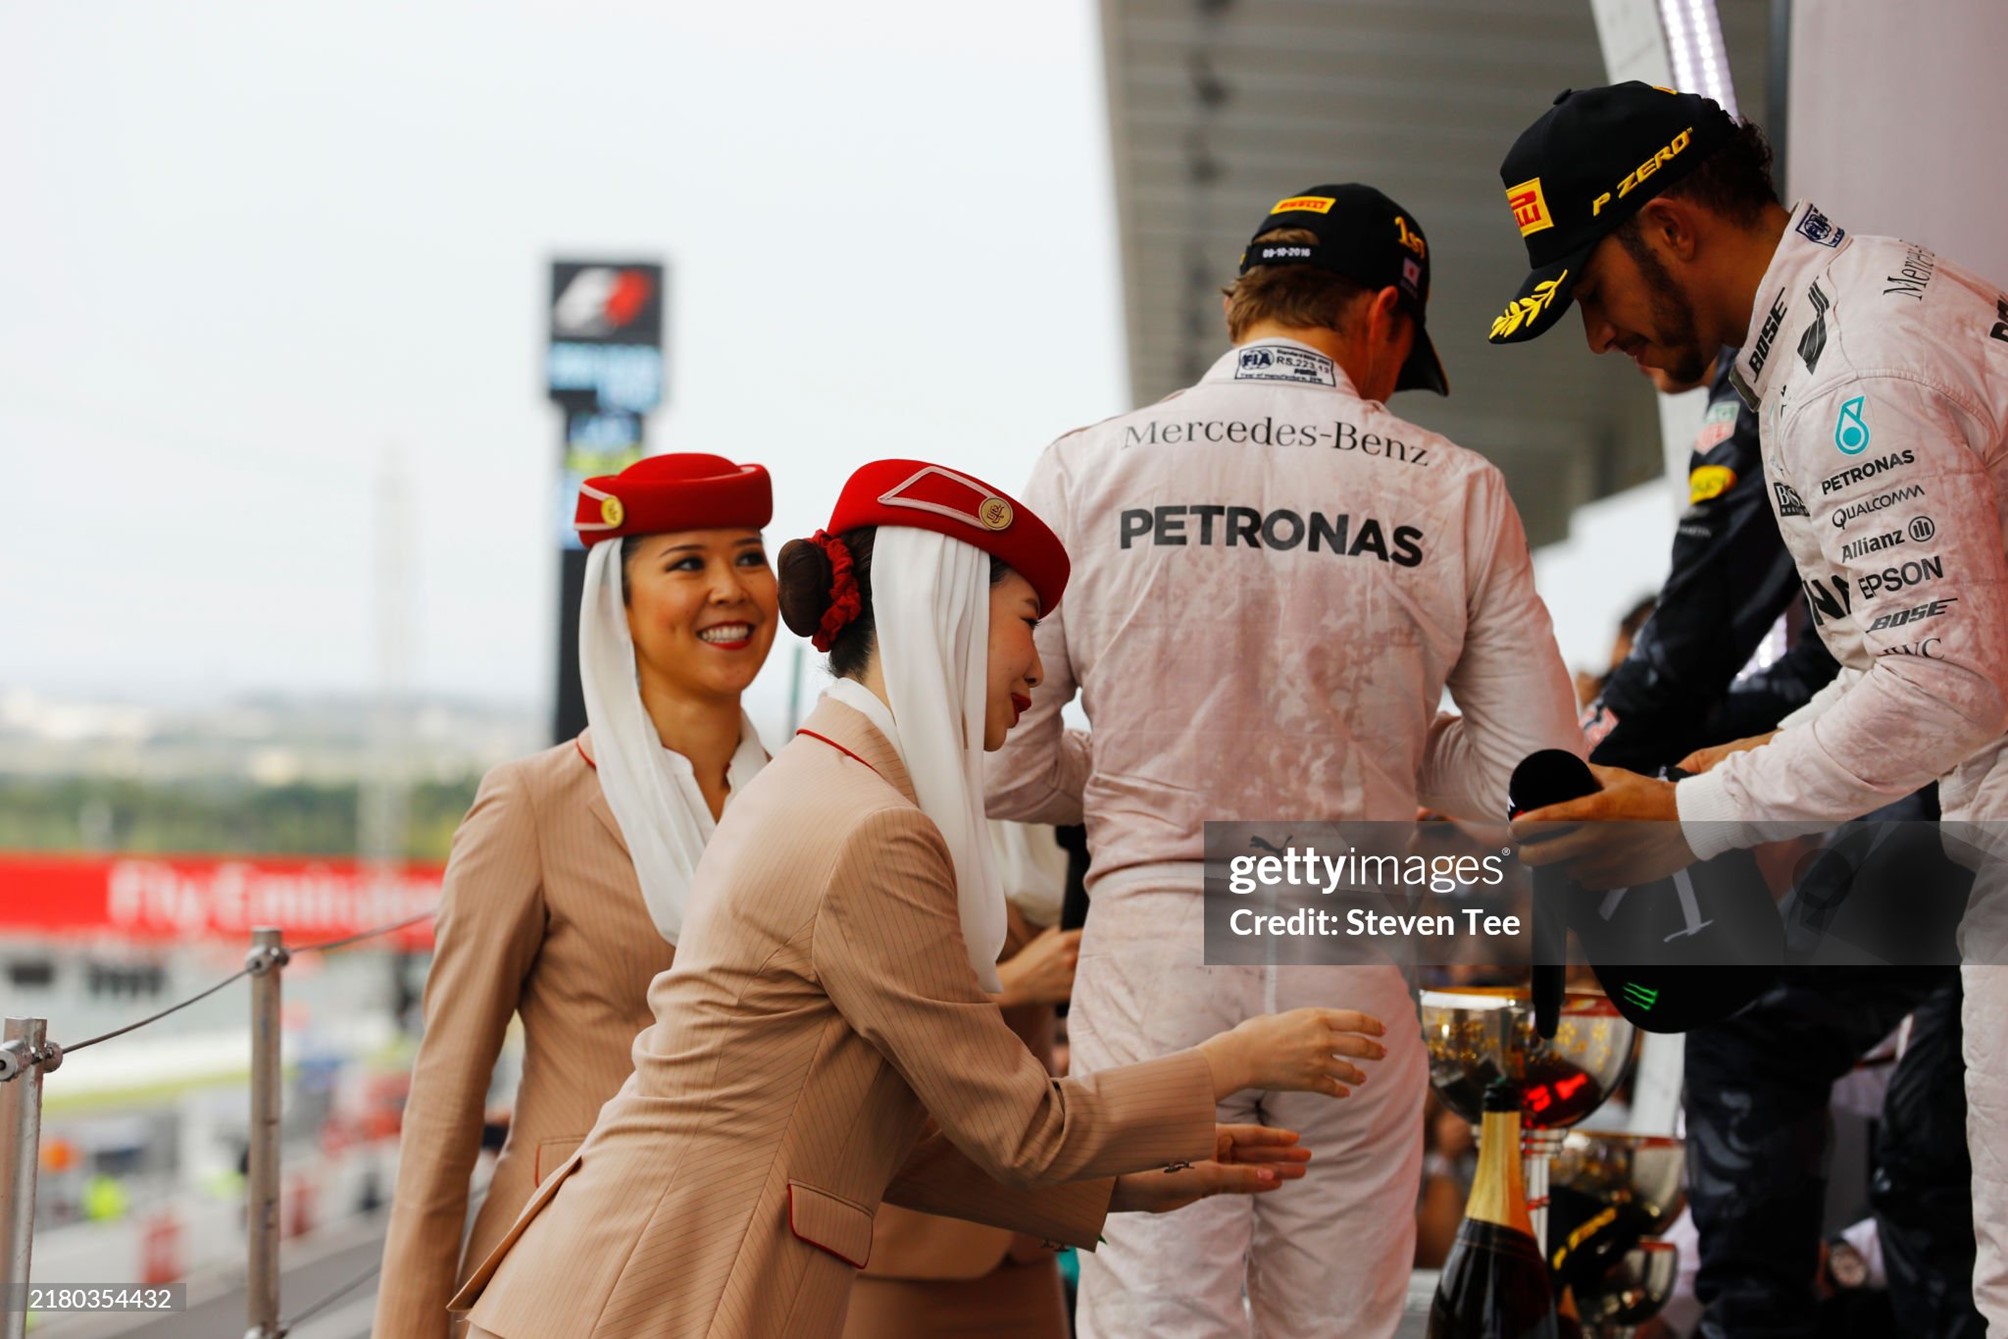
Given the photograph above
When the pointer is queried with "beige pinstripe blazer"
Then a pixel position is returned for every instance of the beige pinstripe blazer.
(910, 1245)
(541, 915)
(821, 1007)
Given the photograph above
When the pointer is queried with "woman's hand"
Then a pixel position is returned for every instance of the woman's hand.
(1042, 972)
(1300, 1051)
(1247, 1160)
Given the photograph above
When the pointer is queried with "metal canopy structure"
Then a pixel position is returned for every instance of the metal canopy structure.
(1218, 108)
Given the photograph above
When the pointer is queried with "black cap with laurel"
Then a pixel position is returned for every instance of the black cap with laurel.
(1586, 166)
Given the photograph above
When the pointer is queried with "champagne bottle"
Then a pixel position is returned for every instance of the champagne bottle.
(1495, 1284)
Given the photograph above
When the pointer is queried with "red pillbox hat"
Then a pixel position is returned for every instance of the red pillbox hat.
(933, 497)
(684, 491)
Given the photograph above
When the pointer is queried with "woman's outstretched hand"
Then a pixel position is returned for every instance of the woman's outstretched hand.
(1043, 971)
(1300, 1051)
(1247, 1160)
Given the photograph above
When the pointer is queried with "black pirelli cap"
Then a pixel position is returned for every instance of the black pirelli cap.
(1586, 166)
(1369, 239)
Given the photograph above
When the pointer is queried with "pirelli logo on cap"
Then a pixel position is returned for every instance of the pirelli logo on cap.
(1305, 204)
(1529, 206)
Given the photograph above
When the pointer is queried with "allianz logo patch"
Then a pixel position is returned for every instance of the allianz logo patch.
(1301, 367)
(1861, 548)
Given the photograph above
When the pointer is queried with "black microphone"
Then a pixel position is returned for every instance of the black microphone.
(1676, 953)
(1548, 777)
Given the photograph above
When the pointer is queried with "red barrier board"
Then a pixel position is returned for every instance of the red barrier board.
(212, 897)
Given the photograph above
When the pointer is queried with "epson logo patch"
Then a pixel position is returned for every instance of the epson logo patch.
(1892, 579)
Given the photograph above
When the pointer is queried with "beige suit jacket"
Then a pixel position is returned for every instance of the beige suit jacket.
(821, 1007)
(541, 915)
(910, 1245)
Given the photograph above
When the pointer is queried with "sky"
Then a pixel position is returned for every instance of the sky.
(256, 258)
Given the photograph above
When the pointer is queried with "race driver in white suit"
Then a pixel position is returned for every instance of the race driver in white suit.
(1879, 374)
(1278, 579)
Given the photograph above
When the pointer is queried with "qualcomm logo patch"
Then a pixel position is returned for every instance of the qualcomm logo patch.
(1851, 434)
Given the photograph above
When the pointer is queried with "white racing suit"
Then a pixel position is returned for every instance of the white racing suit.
(1879, 373)
(1274, 581)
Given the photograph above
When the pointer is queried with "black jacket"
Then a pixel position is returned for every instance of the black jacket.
(1731, 579)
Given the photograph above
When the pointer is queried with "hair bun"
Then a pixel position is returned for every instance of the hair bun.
(805, 577)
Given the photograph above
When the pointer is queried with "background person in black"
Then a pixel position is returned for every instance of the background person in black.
(1758, 1084)
(1730, 581)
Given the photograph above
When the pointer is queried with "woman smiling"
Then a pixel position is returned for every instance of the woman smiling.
(566, 888)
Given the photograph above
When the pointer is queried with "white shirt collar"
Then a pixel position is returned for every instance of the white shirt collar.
(1286, 362)
(862, 699)
(1809, 245)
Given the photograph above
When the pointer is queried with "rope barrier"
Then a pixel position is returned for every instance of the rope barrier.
(28, 1055)
(329, 946)
(325, 946)
(172, 1008)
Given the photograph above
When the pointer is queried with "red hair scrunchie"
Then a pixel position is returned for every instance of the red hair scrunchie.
(846, 602)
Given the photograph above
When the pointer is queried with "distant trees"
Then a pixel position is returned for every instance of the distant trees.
(237, 817)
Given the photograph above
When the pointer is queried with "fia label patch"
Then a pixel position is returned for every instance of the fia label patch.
(1814, 227)
(1269, 362)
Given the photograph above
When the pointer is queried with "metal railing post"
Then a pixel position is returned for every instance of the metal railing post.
(261, 1202)
(25, 1055)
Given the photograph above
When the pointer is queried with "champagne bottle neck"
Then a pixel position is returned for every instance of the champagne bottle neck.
(1498, 1194)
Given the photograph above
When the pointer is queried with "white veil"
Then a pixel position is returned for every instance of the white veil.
(931, 605)
(664, 822)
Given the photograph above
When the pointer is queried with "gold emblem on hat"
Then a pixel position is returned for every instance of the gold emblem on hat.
(612, 512)
(995, 514)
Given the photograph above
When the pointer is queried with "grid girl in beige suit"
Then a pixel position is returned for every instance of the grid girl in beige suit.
(832, 988)
(564, 892)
